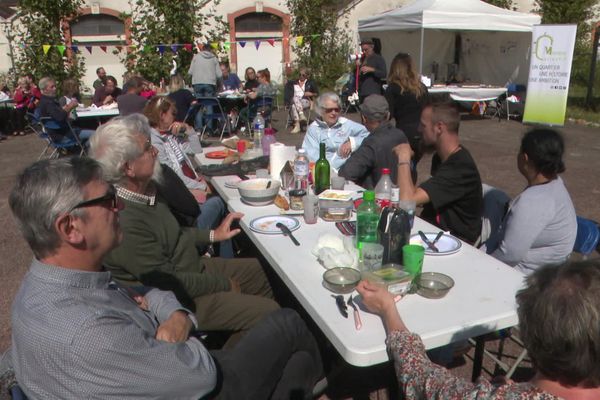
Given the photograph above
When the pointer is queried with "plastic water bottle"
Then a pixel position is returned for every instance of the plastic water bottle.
(301, 170)
(267, 140)
(367, 219)
(383, 190)
(258, 126)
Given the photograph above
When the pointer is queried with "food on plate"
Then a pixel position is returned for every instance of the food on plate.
(282, 202)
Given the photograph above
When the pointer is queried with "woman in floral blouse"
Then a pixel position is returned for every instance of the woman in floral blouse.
(559, 314)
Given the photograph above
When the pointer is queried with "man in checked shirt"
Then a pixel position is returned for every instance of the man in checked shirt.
(77, 334)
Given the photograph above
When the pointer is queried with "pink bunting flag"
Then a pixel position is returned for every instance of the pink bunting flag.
(257, 44)
(103, 48)
(89, 49)
(242, 44)
(187, 47)
(271, 42)
(119, 48)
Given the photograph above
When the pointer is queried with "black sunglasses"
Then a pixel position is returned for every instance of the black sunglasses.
(110, 195)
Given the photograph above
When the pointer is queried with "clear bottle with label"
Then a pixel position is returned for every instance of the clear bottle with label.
(301, 170)
(268, 139)
(383, 190)
(258, 130)
(395, 197)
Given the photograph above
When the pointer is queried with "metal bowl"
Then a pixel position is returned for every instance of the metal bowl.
(256, 193)
(341, 280)
(433, 285)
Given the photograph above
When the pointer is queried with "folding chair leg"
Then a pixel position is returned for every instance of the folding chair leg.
(518, 361)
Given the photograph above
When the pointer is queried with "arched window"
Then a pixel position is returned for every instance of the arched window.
(97, 24)
(258, 22)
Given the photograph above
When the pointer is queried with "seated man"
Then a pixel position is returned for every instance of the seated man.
(452, 197)
(77, 334)
(107, 93)
(227, 294)
(376, 151)
(298, 95)
(131, 102)
(49, 107)
(340, 135)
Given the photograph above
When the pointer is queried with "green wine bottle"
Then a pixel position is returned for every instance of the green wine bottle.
(321, 171)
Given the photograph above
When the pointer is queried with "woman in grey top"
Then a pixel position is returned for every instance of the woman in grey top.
(540, 226)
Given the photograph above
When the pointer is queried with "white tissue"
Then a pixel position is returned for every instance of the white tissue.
(336, 251)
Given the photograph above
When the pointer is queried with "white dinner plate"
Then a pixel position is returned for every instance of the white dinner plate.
(447, 244)
(267, 224)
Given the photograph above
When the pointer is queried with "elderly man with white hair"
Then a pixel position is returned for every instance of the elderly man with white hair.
(340, 135)
(227, 294)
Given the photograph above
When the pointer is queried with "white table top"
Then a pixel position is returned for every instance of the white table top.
(97, 112)
(464, 93)
(482, 300)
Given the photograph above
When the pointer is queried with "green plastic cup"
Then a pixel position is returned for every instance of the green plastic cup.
(412, 258)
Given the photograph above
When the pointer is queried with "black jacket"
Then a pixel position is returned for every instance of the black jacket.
(288, 91)
(365, 164)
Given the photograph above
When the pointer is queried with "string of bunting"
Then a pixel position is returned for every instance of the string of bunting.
(161, 48)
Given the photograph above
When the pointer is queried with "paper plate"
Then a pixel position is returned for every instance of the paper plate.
(267, 224)
(447, 244)
(217, 155)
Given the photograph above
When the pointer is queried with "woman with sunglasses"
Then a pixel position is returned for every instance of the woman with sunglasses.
(170, 140)
(340, 135)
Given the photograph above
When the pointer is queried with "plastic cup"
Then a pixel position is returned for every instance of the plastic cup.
(241, 146)
(412, 258)
(372, 256)
(310, 203)
(338, 182)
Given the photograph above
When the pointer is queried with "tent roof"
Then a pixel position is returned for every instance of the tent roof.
(450, 14)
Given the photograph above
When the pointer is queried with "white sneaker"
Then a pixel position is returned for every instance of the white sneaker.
(296, 128)
(302, 116)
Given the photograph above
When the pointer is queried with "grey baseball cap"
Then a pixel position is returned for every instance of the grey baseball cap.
(375, 107)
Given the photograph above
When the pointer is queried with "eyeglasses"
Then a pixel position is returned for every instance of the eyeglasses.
(334, 109)
(110, 195)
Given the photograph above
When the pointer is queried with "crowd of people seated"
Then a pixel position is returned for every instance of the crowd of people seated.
(133, 249)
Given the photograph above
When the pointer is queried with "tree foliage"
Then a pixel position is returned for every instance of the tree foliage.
(160, 22)
(508, 4)
(41, 22)
(579, 12)
(326, 44)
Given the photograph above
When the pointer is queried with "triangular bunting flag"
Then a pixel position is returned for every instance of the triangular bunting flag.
(146, 48)
(214, 45)
(119, 48)
(46, 47)
(75, 48)
(104, 48)
(257, 44)
(299, 40)
(271, 42)
(187, 47)
(89, 49)
(227, 45)
(174, 48)
(61, 49)
(161, 48)
(242, 44)
(314, 36)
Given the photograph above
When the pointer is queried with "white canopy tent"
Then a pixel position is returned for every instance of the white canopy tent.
(491, 44)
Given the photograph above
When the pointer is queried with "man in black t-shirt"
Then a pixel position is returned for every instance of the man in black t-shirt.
(452, 197)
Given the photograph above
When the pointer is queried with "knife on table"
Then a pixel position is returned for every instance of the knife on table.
(341, 304)
(286, 232)
(357, 321)
(438, 237)
(428, 242)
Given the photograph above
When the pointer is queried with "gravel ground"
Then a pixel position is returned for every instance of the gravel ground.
(493, 144)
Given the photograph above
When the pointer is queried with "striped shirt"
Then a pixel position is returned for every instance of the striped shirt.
(77, 334)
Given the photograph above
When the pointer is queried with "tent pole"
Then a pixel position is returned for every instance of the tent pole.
(421, 51)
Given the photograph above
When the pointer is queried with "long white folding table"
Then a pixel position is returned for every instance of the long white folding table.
(482, 300)
(97, 112)
(472, 93)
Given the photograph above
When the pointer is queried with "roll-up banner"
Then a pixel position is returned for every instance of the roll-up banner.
(549, 73)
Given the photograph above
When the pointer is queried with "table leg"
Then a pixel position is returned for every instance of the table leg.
(478, 357)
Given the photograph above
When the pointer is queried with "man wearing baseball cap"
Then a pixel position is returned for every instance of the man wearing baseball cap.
(375, 152)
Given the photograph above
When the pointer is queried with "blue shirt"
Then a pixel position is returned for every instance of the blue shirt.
(232, 82)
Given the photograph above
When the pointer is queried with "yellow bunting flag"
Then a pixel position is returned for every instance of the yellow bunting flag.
(61, 49)
(214, 45)
(46, 47)
(299, 40)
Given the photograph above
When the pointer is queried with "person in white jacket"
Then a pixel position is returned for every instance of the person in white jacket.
(340, 135)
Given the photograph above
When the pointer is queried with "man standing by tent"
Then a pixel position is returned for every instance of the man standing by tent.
(372, 71)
